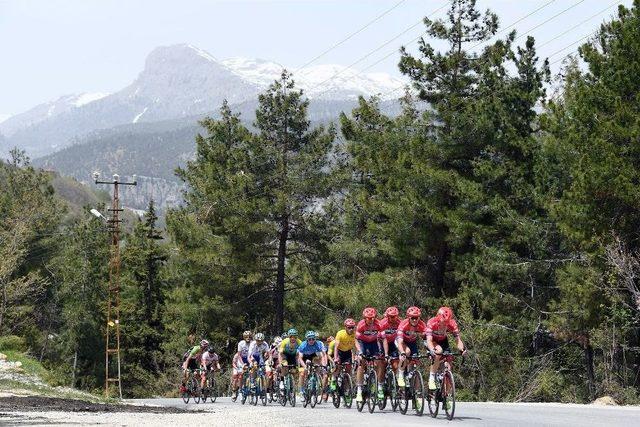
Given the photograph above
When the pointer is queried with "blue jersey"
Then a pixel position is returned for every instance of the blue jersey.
(308, 349)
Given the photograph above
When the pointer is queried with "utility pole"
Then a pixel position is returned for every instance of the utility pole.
(112, 334)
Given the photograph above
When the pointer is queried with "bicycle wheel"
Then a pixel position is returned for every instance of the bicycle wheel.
(185, 394)
(347, 390)
(213, 389)
(382, 403)
(433, 402)
(195, 389)
(291, 391)
(360, 405)
(335, 394)
(372, 391)
(261, 390)
(392, 386)
(449, 394)
(312, 390)
(417, 386)
(404, 395)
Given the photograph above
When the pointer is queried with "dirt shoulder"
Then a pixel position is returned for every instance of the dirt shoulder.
(41, 403)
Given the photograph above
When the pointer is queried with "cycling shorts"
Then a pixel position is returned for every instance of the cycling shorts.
(193, 365)
(393, 349)
(290, 358)
(443, 344)
(413, 346)
(370, 348)
(345, 356)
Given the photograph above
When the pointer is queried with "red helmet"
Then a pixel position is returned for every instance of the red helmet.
(391, 311)
(445, 313)
(369, 313)
(350, 323)
(414, 312)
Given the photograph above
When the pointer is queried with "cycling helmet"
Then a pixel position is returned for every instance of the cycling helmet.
(391, 311)
(204, 344)
(293, 332)
(277, 341)
(210, 349)
(284, 335)
(369, 313)
(330, 339)
(414, 312)
(445, 313)
(247, 334)
(310, 335)
(259, 336)
(350, 323)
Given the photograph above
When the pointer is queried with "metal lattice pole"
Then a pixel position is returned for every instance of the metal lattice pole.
(112, 344)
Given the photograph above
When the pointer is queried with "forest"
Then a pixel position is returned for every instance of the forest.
(506, 193)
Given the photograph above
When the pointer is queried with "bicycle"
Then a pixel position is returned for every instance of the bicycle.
(257, 385)
(414, 387)
(390, 385)
(287, 388)
(210, 389)
(370, 385)
(312, 385)
(344, 386)
(192, 387)
(445, 391)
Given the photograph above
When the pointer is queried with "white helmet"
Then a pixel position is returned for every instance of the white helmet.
(277, 341)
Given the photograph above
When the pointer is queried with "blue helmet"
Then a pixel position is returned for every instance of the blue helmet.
(310, 335)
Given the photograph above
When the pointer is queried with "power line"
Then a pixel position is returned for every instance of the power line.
(376, 49)
(568, 46)
(361, 29)
(549, 20)
(514, 23)
(577, 25)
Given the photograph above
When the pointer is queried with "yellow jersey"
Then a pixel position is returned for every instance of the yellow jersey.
(287, 347)
(347, 342)
(331, 348)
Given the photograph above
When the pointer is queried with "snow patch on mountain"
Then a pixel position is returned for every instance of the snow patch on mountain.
(136, 118)
(4, 117)
(331, 81)
(86, 98)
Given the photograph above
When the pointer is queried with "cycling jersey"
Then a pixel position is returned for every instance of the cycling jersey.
(347, 342)
(243, 349)
(410, 333)
(257, 350)
(194, 352)
(288, 348)
(331, 350)
(389, 329)
(209, 358)
(438, 328)
(307, 349)
(368, 332)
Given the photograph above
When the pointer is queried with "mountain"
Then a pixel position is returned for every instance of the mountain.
(177, 82)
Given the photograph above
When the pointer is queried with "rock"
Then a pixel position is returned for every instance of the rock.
(18, 364)
(605, 401)
(3, 356)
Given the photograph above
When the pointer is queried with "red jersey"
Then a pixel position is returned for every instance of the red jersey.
(368, 333)
(389, 329)
(410, 333)
(438, 329)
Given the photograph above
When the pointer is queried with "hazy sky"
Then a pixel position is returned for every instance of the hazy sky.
(54, 47)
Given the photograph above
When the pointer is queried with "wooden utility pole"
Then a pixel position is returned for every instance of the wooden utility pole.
(112, 334)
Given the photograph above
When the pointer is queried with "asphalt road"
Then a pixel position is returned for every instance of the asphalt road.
(467, 414)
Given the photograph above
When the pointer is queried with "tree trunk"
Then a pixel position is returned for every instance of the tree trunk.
(278, 292)
(588, 361)
(4, 305)
(73, 372)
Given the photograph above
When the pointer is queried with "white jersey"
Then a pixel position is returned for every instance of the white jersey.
(256, 348)
(243, 349)
(209, 358)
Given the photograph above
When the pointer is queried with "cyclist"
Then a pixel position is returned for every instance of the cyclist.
(311, 350)
(437, 342)
(389, 326)
(288, 352)
(259, 350)
(274, 357)
(368, 333)
(236, 374)
(191, 362)
(344, 346)
(243, 354)
(208, 362)
(407, 339)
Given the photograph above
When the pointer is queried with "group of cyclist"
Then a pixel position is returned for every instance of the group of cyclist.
(387, 340)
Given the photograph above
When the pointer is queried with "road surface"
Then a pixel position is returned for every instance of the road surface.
(467, 414)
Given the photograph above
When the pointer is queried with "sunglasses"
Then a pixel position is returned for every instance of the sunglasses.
(351, 327)
(414, 318)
